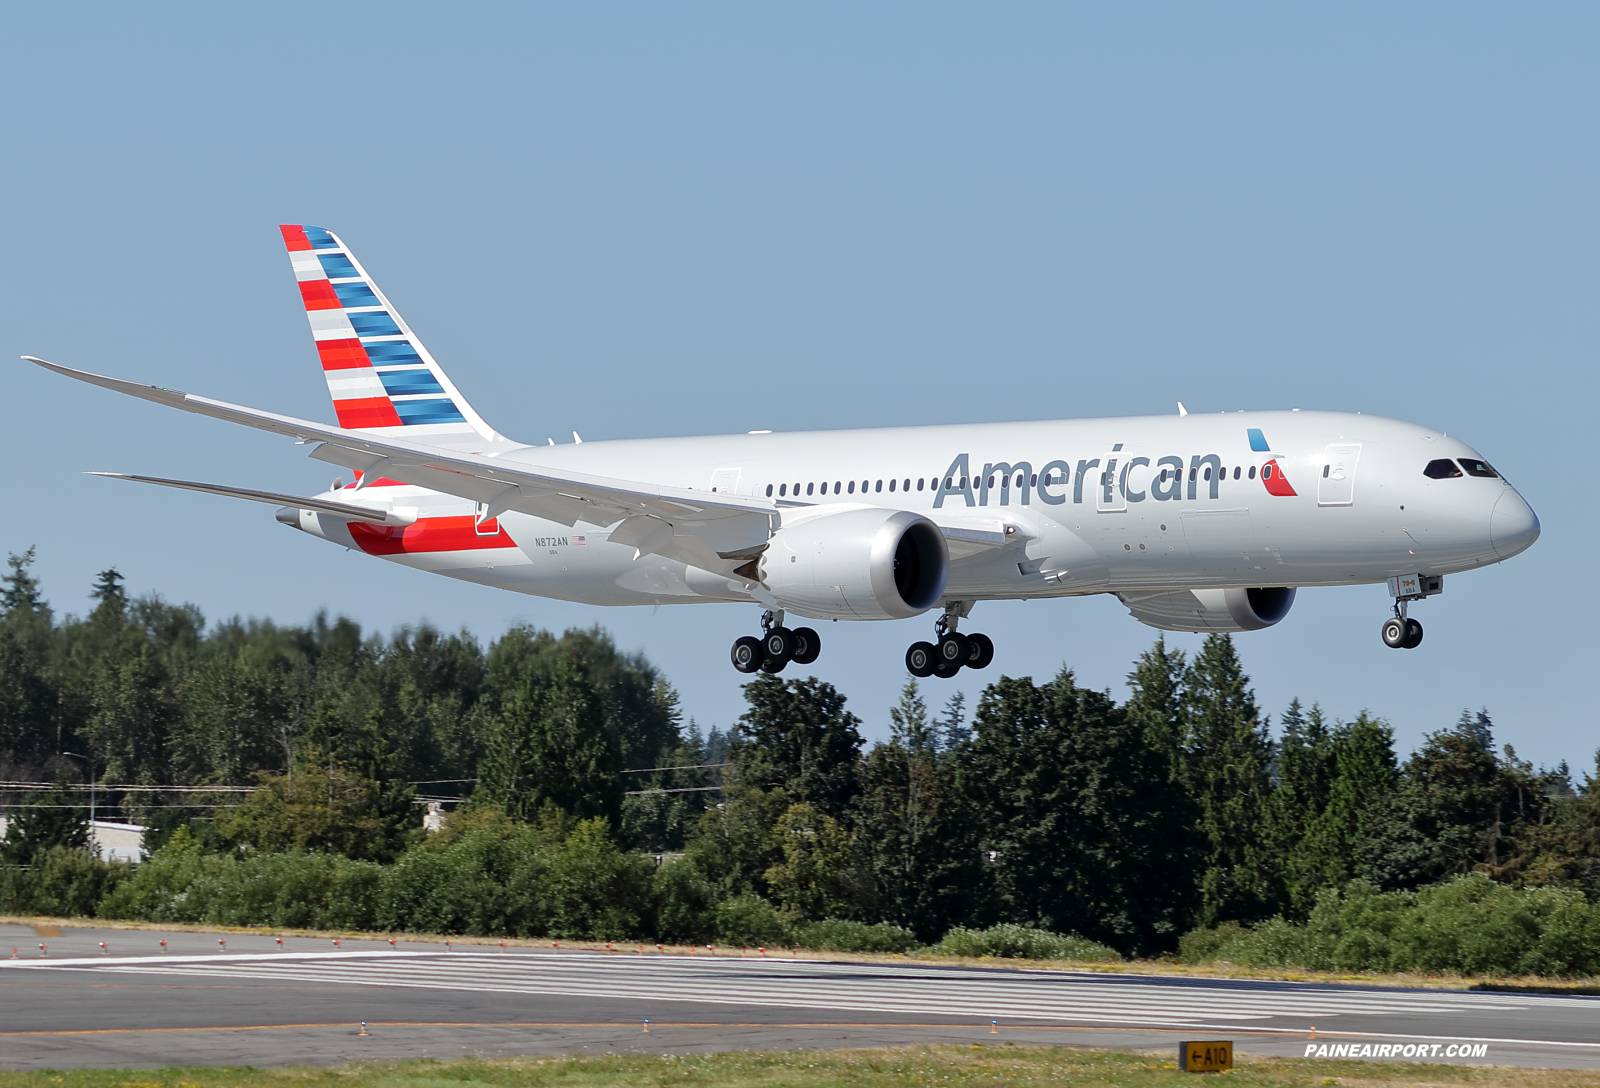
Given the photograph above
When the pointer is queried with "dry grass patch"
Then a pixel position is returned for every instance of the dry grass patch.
(975, 1066)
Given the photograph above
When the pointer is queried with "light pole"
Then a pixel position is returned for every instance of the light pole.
(94, 846)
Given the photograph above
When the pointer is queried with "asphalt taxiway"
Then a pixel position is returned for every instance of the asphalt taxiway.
(212, 999)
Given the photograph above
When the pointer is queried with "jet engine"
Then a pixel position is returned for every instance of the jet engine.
(866, 563)
(1206, 610)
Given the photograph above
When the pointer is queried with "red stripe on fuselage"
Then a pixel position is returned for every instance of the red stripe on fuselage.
(1276, 484)
(342, 354)
(294, 236)
(454, 534)
(362, 412)
(318, 295)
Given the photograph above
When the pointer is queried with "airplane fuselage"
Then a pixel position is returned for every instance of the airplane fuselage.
(1329, 499)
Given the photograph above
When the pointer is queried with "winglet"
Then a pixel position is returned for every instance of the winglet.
(1182, 411)
(174, 397)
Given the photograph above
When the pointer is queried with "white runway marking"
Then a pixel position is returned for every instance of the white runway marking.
(901, 990)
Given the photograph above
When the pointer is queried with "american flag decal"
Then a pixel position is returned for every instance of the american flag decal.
(578, 540)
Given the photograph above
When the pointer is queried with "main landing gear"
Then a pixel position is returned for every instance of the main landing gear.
(952, 650)
(1401, 632)
(776, 647)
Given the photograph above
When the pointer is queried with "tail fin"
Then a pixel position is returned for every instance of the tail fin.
(380, 376)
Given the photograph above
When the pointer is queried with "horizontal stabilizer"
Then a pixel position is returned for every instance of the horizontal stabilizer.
(321, 506)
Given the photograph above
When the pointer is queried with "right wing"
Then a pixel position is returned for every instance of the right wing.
(714, 532)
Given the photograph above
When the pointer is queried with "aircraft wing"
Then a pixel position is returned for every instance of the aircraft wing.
(714, 532)
(349, 510)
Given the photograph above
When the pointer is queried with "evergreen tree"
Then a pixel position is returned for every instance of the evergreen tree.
(1079, 815)
(950, 728)
(28, 693)
(1156, 705)
(1445, 817)
(797, 734)
(908, 722)
(914, 837)
(1229, 754)
(550, 745)
(56, 818)
(1304, 773)
(1364, 779)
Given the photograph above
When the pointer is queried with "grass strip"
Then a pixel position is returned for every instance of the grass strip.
(978, 1066)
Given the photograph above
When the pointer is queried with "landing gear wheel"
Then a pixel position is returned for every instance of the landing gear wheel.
(1413, 637)
(954, 649)
(980, 651)
(920, 659)
(747, 653)
(778, 643)
(944, 670)
(807, 645)
(774, 664)
(1394, 633)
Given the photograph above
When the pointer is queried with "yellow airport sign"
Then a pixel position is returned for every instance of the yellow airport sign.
(1209, 1056)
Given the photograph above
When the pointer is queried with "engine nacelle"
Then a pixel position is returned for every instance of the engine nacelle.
(1206, 610)
(866, 563)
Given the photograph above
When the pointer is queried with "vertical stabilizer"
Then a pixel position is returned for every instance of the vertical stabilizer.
(380, 376)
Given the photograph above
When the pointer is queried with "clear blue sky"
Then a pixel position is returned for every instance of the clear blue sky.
(676, 219)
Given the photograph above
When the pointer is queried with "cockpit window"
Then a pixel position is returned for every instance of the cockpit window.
(1478, 468)
(1442, 469)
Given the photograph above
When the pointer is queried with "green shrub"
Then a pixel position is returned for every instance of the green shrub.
(683, 903)
(1021, 942)
(183, 883)
(749, 921)
(838, 935)
(1469, 925)
(520, 881)
(62, 881)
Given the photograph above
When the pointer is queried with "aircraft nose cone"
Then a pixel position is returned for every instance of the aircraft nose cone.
(1513, 527)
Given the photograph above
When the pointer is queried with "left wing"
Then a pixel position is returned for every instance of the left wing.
(717, 533)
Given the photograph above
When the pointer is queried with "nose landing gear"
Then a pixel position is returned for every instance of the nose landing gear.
(1400, 632)
(952, 650)
(776, 647)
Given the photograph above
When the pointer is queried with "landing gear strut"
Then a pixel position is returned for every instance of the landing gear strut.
(776, 647)
(1400, 632)
(952, 650)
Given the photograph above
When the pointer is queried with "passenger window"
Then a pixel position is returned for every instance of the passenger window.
(1208, 472)
(852, 487)
(907, 485)
(809, 487)
(1252, 472)
(1235, 472)
(1324, 472)
(880, 485)
(891, 484)
(836, 487)
(1033, 481)
(919, 483)
(1478, 468)
(769, 491)
(1266, 472)
(1441, 469)
(783, 489)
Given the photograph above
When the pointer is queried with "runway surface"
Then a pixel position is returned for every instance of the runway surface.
(249, 1001)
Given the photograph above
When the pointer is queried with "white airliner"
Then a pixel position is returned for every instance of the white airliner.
(1195, 522)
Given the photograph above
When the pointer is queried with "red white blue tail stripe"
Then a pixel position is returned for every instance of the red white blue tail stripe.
(379, 374)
